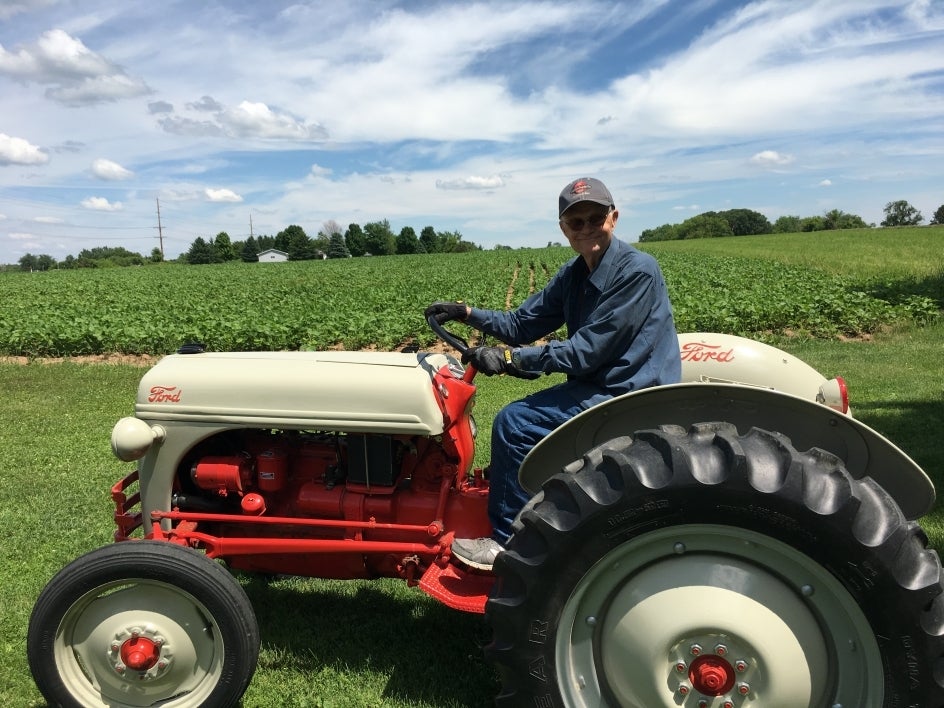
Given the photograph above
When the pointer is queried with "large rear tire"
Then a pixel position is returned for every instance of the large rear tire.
(703, 568)
(143, 623)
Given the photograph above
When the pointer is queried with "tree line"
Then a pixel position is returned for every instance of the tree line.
(373, 239)
(377, 238)
(746, 222)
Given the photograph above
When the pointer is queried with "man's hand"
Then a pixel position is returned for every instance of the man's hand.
(488, 360)
(446, 311)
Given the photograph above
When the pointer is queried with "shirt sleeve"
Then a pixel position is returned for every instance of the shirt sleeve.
(606, 335)
(539, 315)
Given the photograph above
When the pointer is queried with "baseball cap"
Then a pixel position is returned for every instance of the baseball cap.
(584, 189)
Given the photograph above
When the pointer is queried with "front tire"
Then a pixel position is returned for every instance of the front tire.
(142, 623)
(706, 568)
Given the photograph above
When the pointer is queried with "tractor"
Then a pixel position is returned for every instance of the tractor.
(737, 540)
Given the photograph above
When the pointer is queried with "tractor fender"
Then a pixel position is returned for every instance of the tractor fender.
(806, 423)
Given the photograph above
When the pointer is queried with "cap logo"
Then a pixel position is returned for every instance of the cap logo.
(580, 187)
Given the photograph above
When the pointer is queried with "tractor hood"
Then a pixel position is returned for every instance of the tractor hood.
(382, 392)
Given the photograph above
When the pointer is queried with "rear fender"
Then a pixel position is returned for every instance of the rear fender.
(864, 451)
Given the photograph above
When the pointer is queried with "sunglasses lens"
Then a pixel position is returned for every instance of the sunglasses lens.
(594, 221)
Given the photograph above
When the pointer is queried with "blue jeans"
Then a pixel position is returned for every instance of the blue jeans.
(517, 428)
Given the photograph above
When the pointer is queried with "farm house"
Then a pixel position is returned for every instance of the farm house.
(273, 255)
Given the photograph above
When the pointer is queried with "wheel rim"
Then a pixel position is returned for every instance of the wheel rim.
(139, 642)
(708, 616)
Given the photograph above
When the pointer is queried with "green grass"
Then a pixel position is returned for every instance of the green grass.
(381, 643)
(888, 263)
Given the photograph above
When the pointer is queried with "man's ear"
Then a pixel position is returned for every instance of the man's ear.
(615, 216)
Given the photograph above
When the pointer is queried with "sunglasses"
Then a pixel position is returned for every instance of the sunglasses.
(578, 223)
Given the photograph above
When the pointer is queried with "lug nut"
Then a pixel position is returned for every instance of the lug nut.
(683, 689)
(680, 667)
(744, 688)
(740, 666)
(695, 649)
(721, 650)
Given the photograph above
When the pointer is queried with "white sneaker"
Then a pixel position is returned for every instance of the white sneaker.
(477, 553)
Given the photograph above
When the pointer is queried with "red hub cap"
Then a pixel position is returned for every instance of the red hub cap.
(140, 653)
(711, 675)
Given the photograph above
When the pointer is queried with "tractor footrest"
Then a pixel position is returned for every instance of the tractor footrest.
(457, 588)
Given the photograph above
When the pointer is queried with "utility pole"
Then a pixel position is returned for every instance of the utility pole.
(250, 224)
(160, 231)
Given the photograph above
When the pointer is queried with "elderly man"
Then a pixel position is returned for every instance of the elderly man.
(620, 338)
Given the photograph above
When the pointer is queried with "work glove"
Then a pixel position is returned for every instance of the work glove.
(490, 360)
(446, 311)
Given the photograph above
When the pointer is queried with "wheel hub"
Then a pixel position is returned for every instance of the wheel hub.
(140, 653)
(139, 650)
(711, 675)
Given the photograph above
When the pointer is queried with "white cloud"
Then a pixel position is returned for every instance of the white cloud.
(21, 236)
(826, 183)
(257, 120)
(101, 204)
(16, 151)
(75, 74)
(111, 171)
(48, 220)
(222, 195)
(492, 182)
(771, 158)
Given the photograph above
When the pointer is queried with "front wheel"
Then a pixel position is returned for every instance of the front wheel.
(703, 569)
(142, 623)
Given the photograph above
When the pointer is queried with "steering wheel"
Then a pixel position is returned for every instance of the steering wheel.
(453, 340)
(462, 346)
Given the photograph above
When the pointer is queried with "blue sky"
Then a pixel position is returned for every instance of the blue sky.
(467, 116)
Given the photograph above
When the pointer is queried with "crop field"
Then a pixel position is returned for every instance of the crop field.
(865, 306)
(378, 302)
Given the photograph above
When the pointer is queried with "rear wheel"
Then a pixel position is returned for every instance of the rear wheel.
(703, 568)
(143, 623)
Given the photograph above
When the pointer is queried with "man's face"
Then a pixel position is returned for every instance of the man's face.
(589, 229)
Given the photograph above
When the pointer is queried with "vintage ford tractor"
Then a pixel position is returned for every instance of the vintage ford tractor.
(737, 540)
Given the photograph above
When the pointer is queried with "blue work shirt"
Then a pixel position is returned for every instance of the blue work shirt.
(620, 333)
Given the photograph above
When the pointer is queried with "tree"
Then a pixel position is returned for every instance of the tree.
(707, 225)
(938, 217)
(788, 225)
(838, 219)
(430, 240)
(746, 222)
(250, 251)
(666, 232)
(379, 238)
(200, 252)
(812, 223)
(407, 242)
(296, 243)
(355, 240)
(156, 255)
(901, 213)
(28, 262)
(224, 247)
(336, 247)
(322, 241)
